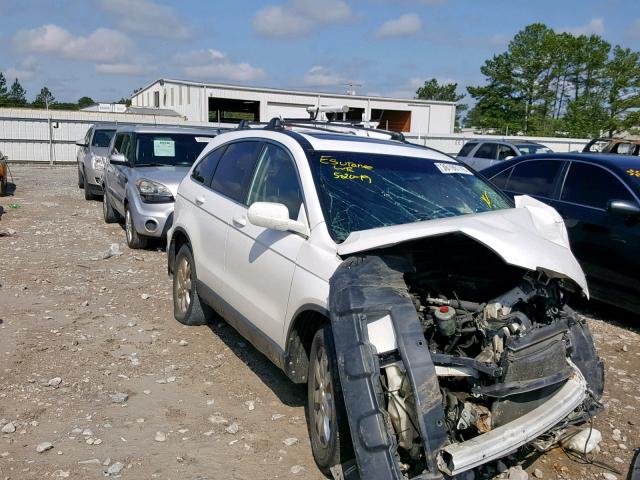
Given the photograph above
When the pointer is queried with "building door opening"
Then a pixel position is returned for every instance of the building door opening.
(395, 120)
(227, 110)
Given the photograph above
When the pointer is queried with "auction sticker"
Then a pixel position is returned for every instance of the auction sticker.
(164, 148)
(448, 168)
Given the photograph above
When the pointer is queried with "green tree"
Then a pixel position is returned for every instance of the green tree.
(44, 98)
(445, 92)
(3, 90)
(622, 91)
(17, 95)
(85, 102)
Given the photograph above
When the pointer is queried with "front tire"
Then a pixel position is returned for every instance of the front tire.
(134, 240)
(80, 179)
(108, 212)
(188, 307)
(87, 191)
(328, 426)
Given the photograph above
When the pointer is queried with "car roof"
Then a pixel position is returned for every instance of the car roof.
(319, 140)
(618, 163)
(345, 142)
(504, 140)
(170, 129)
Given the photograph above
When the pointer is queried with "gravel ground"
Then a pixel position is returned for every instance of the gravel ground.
(97, 378)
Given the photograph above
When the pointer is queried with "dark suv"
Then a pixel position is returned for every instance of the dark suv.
(599, 198)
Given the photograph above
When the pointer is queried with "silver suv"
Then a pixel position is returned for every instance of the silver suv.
(481, 154)
(92, 157)
(144, 168)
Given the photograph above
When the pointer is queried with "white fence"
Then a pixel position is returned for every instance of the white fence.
(452, 143)
(30, 135)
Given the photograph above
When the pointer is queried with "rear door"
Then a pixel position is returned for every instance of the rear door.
(260, 262)
(605, 244)
(537, 178)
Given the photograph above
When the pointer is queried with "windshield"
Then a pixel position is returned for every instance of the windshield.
(102, 138)
(362, 191)
(171, 149)
(529, 149)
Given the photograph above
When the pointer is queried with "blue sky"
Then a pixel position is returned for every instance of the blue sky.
(106, 48)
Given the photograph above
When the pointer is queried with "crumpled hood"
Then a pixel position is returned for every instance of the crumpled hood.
(168, 176)
(532, 236)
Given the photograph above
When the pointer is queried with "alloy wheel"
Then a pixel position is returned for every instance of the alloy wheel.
(322, 398)
(183, 286)
(128, 226)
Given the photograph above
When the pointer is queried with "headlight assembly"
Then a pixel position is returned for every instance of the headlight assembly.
(153, 192)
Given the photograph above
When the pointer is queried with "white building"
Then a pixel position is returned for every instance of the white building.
(225, 104)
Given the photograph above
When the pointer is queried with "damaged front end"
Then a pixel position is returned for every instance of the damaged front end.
(449, 357)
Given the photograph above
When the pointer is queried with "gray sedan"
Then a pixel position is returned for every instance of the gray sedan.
(92, 158)
(145, 166)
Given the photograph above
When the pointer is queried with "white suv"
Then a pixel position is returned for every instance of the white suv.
(426, 314)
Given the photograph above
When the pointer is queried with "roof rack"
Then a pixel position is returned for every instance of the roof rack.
(278, 123)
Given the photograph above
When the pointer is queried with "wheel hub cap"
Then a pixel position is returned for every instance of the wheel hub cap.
(128, 226)
(183, 286)
(322, 399)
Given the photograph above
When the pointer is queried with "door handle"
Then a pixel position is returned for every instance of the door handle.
(239, 221)
(199, 200)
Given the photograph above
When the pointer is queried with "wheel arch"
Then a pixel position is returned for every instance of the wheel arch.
(306, 321)
(178, 239)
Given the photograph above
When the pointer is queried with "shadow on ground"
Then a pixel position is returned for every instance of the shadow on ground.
(289, 393)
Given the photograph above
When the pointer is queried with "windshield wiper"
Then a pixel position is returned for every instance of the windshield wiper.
(152, 165)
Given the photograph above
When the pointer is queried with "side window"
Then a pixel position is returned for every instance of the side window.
(534, 177)
(500, 180)
(466, 149)
(276, 180)
(125, 147)
(487, 150)
(235, 169)
(592, 186)
(117, 145)
(203, 172)
(505, 151)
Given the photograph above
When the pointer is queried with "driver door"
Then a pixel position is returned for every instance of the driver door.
(260, 262)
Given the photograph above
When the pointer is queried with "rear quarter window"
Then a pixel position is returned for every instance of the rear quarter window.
(466, 149)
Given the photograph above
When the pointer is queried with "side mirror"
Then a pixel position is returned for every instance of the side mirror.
(80, 143)
(275, 216)
(118, 159)
(623, 208)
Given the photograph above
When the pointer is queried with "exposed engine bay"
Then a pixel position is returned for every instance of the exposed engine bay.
(480, 349)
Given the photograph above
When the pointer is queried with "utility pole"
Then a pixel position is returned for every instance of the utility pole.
(46, 102)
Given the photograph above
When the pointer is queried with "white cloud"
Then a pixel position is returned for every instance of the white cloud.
(297, 17)
(403, 26)
(633, 31)
(319, 76)
(126, 69)
(148, 18)
(103, 45)
(594, 27)
(213, 64)
(26, 70)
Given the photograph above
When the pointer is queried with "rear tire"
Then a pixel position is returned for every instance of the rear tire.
(188, 307)
(3, 185)
(134, 240)
(108, 212)
(327, 422)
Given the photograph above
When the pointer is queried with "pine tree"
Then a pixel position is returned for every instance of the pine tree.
(17, 95)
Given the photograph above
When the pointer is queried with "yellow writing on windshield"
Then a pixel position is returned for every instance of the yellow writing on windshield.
(327, 160)
(485, 198)
(351, 176)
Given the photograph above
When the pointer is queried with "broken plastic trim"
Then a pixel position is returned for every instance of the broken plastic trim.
(497, 443)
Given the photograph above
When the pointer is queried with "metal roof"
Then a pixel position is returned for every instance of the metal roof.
(291, 92)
